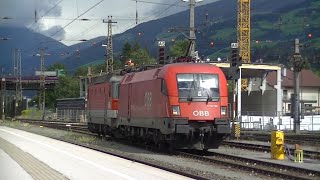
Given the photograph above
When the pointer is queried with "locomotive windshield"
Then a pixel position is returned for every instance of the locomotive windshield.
(198, 87)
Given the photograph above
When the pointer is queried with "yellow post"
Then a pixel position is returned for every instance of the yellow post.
(277, 141)
(298, 154)
(236, 130)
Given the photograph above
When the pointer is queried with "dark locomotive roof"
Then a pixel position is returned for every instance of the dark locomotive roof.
(145, 72)
(161, 71)
(105, 78)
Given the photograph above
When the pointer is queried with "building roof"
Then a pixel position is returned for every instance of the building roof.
(307, 79)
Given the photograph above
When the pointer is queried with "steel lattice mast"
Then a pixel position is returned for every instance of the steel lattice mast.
(17, 74)
(192, 35)
(243, 29)
(109, 61)
(42, 81)
(42, 94)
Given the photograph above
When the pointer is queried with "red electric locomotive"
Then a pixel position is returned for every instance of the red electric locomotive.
(183, 105)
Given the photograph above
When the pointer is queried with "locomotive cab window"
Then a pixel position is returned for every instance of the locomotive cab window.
(163, 87)
(198, 87)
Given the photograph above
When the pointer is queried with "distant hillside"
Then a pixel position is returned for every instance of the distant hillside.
(220, 29)
(27, 41)
(274, 24)
(272, 34)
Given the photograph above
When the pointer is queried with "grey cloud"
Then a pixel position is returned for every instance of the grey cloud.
(22, 12)
(53, 30)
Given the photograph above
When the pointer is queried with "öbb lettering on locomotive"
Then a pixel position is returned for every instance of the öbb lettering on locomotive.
(182, 105)
(200, 113)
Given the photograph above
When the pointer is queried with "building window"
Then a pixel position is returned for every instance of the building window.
(289, 107)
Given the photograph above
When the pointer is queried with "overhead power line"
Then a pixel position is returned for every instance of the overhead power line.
(68, 23)
(76, 18)
(51, 9)
(158, 3)
(157, 14)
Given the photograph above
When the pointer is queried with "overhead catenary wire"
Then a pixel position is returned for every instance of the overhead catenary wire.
(50, 9)
(158, 3)
(157, 14)
(53, 7)
(76, 18)
(68, 23)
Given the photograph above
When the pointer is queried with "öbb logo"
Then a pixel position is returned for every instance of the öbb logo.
(200, 113)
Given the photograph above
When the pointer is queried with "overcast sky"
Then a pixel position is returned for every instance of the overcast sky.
(53, 15)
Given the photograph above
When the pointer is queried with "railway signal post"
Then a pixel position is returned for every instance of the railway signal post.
(161, 45)
(235, 75)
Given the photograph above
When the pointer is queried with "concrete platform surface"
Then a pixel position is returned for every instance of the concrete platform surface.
(75, 162)
(10, 169)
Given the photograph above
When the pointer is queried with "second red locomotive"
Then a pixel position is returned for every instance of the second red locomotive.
(183, 105)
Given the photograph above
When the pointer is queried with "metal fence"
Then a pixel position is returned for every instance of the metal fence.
(71, 115)
(270, 121)
(71, 110)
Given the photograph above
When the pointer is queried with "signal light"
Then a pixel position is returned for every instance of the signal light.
(234, 57)
(161, 55)
(236, 61)
(211, 44)
(309, 35)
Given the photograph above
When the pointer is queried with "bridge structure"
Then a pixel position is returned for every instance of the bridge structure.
(28, 83)
(8, 87)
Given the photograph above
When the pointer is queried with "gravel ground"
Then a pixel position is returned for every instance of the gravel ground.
(179, 163)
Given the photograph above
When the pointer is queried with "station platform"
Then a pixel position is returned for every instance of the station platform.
(311, 164)
(24, 155)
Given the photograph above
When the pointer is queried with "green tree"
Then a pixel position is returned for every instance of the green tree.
(56, 66)
(179, 48)
(68, 87)
(141, 57)
(135, 46)
(126, 50)
(81, 71)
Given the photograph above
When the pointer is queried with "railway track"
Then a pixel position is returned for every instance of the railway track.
(69, 126)
(253, 166)
(304, 139)
(266, 148)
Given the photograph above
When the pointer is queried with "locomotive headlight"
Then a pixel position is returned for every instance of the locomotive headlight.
(176, 110)
(223, 111)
